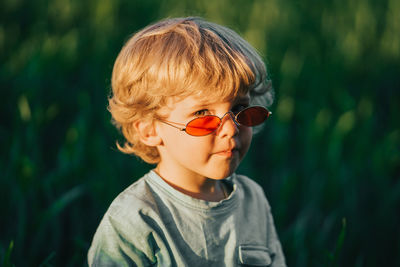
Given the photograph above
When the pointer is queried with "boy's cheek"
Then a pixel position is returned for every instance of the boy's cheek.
(245, 139)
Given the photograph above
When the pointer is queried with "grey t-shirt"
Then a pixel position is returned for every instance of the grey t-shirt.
(153, 224)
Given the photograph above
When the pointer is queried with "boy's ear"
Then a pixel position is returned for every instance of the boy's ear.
(147, 132)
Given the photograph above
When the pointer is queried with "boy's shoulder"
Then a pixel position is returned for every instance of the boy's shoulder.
(250, 188)
(128, 213)
(247, 183)
(126, 222)
(136, 197)
(245, 180)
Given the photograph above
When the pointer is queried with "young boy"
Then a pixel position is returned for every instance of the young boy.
(186, 93)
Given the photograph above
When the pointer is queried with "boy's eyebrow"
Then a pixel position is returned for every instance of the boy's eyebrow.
(197, 106)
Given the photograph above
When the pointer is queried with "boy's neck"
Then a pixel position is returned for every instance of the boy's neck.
(199, 187)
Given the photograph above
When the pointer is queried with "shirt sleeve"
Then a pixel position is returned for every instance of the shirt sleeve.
(274, 243)
(129, 241)
(115, 244)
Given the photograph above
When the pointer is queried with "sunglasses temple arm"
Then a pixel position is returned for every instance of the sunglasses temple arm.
(170, 124)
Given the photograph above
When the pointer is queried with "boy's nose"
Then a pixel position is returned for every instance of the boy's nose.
(228, 126)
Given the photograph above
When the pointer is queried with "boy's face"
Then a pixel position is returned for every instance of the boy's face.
(214, 156)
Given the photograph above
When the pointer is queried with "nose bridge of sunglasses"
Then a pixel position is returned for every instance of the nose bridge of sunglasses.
(231, 116)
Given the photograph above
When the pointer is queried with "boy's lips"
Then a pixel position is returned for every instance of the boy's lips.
(227, 153)
(228, 149)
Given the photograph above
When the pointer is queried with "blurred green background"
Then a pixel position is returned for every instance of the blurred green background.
(328, 159)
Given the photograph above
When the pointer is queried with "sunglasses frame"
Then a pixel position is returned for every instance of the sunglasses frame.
(233, 116)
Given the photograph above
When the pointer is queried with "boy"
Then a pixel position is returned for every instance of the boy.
(186, 93)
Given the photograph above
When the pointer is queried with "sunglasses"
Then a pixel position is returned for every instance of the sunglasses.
(251, 116)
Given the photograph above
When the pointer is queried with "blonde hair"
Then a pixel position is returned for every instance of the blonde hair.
(177, 58)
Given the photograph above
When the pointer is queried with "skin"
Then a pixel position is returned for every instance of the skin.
(196, 165)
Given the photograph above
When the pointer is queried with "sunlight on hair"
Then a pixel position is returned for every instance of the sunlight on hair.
(177, 58)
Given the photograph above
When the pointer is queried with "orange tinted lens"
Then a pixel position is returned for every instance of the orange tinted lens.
(252, 116)
(203, 126)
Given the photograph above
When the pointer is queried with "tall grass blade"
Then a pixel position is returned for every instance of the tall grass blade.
(339, 245)
(7, 256)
